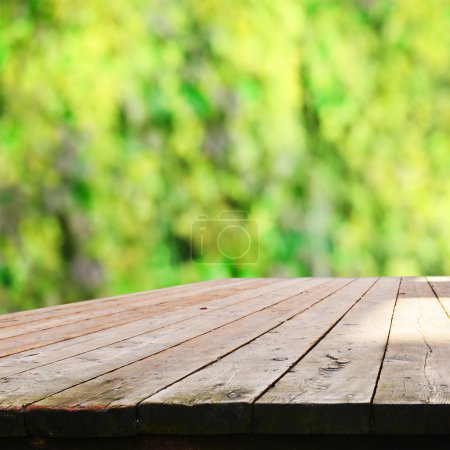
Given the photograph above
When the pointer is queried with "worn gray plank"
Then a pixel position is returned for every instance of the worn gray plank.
(219, 398)
(413, 392)
(19, 317)
(28, 387)
(330, 389)
(104, 310)
(123, 315)
(120, 390)
(47, 329)
(180, 311)
(266, 356)
(441, 287)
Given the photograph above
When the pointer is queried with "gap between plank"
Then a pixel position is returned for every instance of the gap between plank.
(159, 302)
(438, 299)
(25, 407)
(246, 343)
(127, 338)
(307, 352)
(43, 309)
(382, 359)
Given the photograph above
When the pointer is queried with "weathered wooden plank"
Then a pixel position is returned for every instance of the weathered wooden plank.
(47, 320)
(117, 392)
(39, 338)
(219, 398)
(31, 386)
(330, 389)
(265, 356)
(68, 308)
(413, 393)
(441, 288)
(21, 362)
(143, 305)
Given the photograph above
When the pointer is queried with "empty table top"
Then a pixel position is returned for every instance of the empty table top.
(258, 356)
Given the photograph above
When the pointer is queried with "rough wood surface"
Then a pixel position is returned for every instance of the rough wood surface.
(441, 288)
(125, 329)
(337, 377)
(144, 304)
(50, 311)
(18, 391)
(206, 399)
(117, 392)
(413, 393)
(126, 313)
(255, 356)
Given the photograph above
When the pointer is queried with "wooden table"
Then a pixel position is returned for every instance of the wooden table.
(235, 356)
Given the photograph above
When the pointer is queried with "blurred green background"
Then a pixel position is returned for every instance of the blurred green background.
(121, 122)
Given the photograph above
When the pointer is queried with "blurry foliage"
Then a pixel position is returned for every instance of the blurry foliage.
(123, 121)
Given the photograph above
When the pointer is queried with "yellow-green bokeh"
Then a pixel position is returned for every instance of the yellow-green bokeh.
(121, 122)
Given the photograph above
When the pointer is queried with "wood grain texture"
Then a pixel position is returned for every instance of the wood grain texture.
(413, 392)
(441, 288)
(206, 402)
(103, 310)
(330, 389)
(14, 340)
(126, 327)
(33, 385)
(37, 339)
(254, 356)
(120, 390)
(17, 318)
